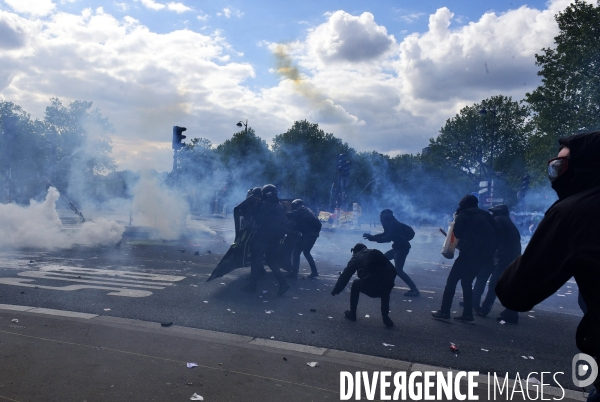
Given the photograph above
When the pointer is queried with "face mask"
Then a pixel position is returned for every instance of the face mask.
(562, 184)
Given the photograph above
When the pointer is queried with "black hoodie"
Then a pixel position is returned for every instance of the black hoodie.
(565, 244)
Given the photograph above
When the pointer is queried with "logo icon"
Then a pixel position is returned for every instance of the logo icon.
(582, 366)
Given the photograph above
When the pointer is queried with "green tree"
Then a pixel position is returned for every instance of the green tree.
(307, 161)
(484, 146)
(568, 101)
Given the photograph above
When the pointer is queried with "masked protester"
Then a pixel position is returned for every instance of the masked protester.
(271, 222)
(566, 242)
(475, 230)
(509, 248)
(309, 225)
(376, 276)
(400, 234)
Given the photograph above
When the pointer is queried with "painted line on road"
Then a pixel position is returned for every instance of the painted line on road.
(288, 346)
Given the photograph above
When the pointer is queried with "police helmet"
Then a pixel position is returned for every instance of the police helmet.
(269, 190)
(297, 204)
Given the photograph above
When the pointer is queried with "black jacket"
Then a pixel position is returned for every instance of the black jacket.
(476, 231)
(509, 239)
(372, 267)
(395, 231)
(270, 219)
(565, 244)
(306, 221)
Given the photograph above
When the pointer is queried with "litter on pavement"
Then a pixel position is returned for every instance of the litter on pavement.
(15, 320)
(196, 397)
(485, 350)
(367, 316)
(387, 344)
(313, 364)
(205, 301)
(106, 309)
(454, 348)
(269, 311)
(502, 322)
(192, 365)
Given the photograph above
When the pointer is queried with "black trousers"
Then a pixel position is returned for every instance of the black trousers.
(359, 286)
(304, 245)
(465, 269)
(480, 282)
(490, 297)
(399, 257)
(261, 249)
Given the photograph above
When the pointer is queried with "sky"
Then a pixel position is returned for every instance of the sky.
(382, 76)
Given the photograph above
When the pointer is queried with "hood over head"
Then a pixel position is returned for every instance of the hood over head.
(584, 164)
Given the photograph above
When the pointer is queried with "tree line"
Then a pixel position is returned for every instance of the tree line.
(497, 138)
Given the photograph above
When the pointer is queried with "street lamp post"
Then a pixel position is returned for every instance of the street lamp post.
(241, 123)
(491, 172)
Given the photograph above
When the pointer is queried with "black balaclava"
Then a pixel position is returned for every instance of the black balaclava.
(385, 216)
(468, 201)
(357, 248)
(584, 164)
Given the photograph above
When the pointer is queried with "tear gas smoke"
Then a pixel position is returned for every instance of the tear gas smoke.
(38, 226)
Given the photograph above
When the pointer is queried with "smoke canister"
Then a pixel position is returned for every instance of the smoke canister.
(450, 242)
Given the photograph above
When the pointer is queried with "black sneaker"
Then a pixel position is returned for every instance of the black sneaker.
(467, 319)
(481, 312)
(350, 315)
(388, 322)
(313, 275)
(412, 293)
(438, 315)
(283, 287)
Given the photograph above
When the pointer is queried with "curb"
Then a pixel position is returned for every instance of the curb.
(248, 341)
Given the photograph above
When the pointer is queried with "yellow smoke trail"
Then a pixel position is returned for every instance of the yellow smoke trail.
(287, 70)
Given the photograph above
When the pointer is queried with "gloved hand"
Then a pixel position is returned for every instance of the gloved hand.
(367, 236)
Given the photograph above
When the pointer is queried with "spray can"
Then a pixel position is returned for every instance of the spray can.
(450, 242)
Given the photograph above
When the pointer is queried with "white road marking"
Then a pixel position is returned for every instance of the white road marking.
(117, 282)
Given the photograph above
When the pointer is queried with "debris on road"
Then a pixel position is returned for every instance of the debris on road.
(166, 324)
(106, 309)
(502, 322)
(485, 350)
(269, 311)
(300, 314)
(367, 316)
(205, 301)
(454, 348)
(196, 397)
(192, 365)
(285, 359)
(330, 318)
(387, 344)
(313, 364)
(529, 315)
(14, 320)
(410, 311)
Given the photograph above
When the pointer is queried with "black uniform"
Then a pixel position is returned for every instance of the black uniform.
(476, 231)
(375, 279)
(509, 249)
(309, 225)
(400, 234)
(566, 244)
(270, 221)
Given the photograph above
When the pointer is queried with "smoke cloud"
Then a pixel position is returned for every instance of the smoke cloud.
(38, 226)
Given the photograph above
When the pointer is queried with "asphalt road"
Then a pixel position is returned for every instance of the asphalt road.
(157, 281)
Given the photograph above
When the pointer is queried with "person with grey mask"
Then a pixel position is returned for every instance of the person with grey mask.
(566, 243)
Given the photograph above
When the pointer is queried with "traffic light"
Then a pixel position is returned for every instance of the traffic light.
(178, 137)
(525, 183)
(341, 161)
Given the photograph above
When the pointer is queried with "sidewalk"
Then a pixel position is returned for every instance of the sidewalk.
(51, 355)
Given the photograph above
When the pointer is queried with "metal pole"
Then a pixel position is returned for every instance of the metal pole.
(174, 160)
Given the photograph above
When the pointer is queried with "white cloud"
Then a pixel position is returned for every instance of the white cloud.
(36, 8)
(202, 17)
(390, 97)
(178, 7)
(152, 5)
(122, 6)
(347, 38)
(410, 18)
(229, 12)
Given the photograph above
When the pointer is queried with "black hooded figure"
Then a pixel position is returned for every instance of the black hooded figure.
(309, 225)
(271, 223)
(475, 230)
(509, 249)
(566, 243)
(400, 234)
(376, 276)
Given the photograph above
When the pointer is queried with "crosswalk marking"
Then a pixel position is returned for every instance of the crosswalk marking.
(119, 283)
